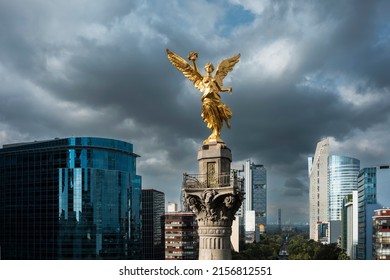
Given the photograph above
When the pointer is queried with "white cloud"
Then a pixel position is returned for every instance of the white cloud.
(351, 95)
(274, 59)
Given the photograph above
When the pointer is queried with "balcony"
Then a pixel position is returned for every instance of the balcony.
(202, 181)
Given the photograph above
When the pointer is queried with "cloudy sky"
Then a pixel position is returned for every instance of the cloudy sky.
(308, 69)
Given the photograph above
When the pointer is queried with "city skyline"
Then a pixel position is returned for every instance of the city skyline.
(308, 70)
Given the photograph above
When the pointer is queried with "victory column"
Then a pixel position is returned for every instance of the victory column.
(213, 194)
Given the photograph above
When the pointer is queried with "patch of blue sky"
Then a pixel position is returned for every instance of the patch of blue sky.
(235, 16)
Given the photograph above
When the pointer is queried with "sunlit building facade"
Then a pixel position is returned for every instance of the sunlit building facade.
(71, 198)
(381, 234)
(318, 192)
(181, 236)
(342, 180)
(349, 221)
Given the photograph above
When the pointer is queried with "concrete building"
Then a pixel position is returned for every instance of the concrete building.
(381, 234)
(153, 210)
(71, 198)
(255, 210)
(181, 237)
(349, 220)
(172, 207)
(318, 192)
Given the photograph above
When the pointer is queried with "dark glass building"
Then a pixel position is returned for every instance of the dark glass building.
(72, 198)
(255, 201)
(153, 210)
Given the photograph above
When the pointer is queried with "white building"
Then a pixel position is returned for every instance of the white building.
(318, 190)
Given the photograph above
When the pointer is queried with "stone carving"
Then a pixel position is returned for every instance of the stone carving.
(212, 206)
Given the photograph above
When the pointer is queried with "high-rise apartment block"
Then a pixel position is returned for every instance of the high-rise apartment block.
(255, 210)
(381, 234)
(71, 198)
(153, 210)
(181, 236)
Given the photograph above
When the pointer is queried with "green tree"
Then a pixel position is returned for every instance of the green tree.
(299, 248)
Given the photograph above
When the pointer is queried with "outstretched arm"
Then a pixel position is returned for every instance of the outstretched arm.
(229, 89)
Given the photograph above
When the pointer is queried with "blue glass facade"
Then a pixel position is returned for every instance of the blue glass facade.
(72, 198)
(342, 180)
(373, 193)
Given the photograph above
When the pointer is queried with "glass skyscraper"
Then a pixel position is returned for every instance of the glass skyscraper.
(373, 194)
(342, 180)
(255, 200)
(153, 237)
(72, 198)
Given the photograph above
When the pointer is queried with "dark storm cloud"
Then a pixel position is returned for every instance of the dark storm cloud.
(99, 68)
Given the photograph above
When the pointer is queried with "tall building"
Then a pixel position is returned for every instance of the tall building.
(331, 178)
(381, 234)
(181, 236)
(255, 200)
(71, 198)
(349, 219)
(342, 180)
(318, 192)
(153, 210)
(373, 193)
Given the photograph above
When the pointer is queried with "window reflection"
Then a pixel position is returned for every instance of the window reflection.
(73, 198)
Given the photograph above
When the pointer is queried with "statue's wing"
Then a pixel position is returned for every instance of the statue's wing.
(225, 67)
(188, 71)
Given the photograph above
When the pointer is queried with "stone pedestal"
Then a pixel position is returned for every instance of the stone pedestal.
(214, 196)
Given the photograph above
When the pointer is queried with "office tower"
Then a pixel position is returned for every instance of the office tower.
(373, 193)
(255, 200)
(318, 192)
(172, 207)
(349, 218)
(381, 234)
(342, 180)
(153, 210)
(331, 177)
(71, 198)
(181, 236)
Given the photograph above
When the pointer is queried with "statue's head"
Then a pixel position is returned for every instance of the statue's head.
(209, 68)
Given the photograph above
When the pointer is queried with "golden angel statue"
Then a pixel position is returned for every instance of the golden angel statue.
(214, 110)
